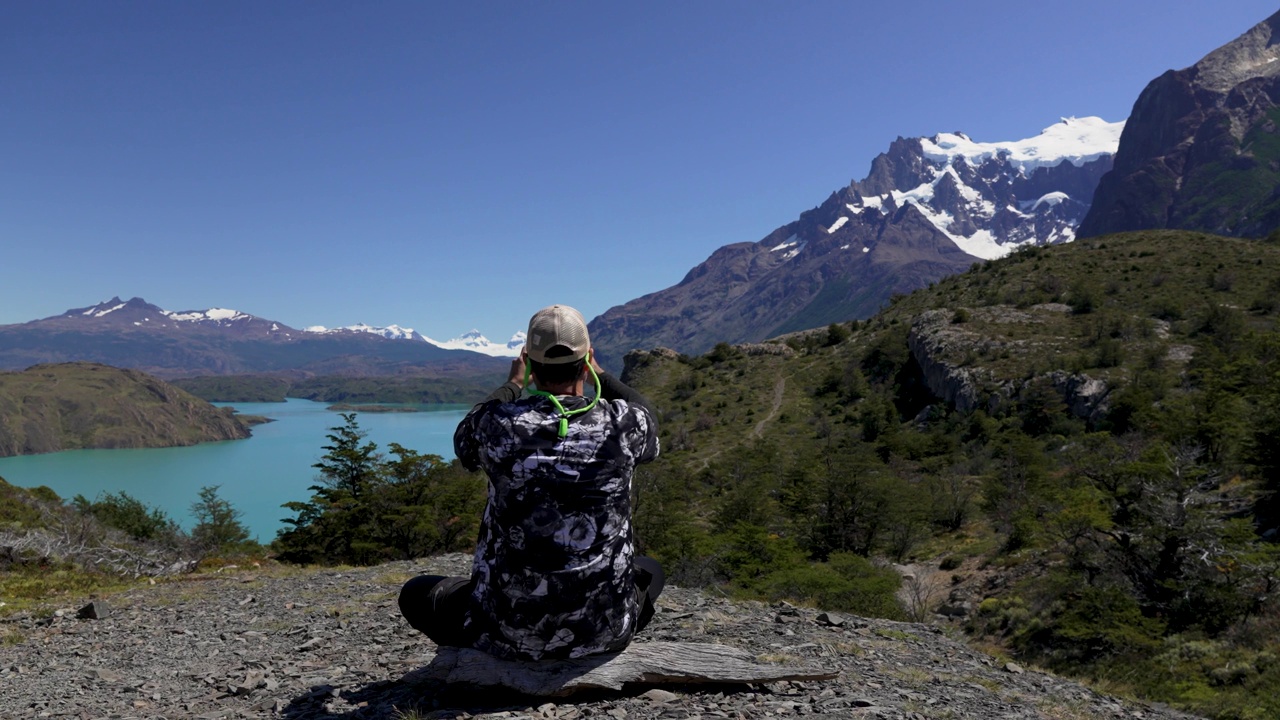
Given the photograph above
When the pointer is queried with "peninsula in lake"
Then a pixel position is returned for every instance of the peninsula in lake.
(71, 406)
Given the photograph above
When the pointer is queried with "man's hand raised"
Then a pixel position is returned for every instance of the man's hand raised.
(517, 370)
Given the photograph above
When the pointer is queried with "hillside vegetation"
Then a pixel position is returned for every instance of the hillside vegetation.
(1074, 446)
(72, 406)
(55, 551)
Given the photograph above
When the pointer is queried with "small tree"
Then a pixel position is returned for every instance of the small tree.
(218, 525)
(367, 509)
(349, 465)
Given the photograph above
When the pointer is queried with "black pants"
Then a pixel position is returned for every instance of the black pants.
(437, 605)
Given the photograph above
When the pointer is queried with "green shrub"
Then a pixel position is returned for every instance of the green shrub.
(845, 582)
(125, 512)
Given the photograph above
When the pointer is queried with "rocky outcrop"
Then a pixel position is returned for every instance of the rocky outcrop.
(1088, 398)
(1201, 149)
(944, 348)
(266, 642)
(934, 340)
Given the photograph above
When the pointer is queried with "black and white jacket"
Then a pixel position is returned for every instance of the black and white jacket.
(553, 573)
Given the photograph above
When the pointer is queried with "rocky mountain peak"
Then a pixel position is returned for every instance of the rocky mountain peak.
(1252, 55)
(1201, 151)
(133, 307)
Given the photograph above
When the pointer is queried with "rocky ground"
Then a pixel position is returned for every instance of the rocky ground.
(259, 642)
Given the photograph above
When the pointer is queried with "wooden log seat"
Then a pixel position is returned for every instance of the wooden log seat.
(648, 663)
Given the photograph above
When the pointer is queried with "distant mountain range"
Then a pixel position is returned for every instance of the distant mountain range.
(471, 340)
(136, 334)
(930, 207)
(1201, 150)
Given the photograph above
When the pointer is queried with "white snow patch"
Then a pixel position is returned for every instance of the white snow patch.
(866, 250)
(981, 243)
(1075, 140)
(1051, 199)
(100, 313)
(214, 314)
(789, 242)
(844, 247)
(854, 208)
(875, 201)
(838, 224)
(390, 332)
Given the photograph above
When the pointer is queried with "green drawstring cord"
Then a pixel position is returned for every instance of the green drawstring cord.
(564, 414)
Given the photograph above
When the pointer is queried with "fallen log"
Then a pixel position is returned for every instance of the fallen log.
(649, 663)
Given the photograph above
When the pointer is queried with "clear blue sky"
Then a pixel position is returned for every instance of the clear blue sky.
(447, 165)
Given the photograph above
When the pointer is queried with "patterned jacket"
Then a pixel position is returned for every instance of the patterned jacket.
(552, 574)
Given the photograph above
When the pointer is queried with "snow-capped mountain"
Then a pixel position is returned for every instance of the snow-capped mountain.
(990, 198)
(390, 332)
(928, 208)
(138, 313)
(472, 340)
(476, 342)
(136, 334)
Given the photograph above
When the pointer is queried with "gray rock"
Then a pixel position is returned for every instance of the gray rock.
(659, 695)
(95, 610)
(831, 619)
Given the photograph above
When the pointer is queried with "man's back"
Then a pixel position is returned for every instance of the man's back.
(553, 574)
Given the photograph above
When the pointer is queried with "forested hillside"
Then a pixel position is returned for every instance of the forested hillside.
(1073, 445)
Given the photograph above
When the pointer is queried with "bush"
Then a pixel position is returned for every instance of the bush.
(1083, 298)
(836, 334)
(125, 512)
(845, 582)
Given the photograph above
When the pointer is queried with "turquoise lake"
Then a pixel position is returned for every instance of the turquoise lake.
(256, 475)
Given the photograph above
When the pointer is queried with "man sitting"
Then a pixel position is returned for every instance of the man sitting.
(555, 573)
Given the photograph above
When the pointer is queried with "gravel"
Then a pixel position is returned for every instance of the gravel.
(330, 643)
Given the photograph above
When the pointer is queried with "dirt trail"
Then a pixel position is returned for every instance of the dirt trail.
(778, 389)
